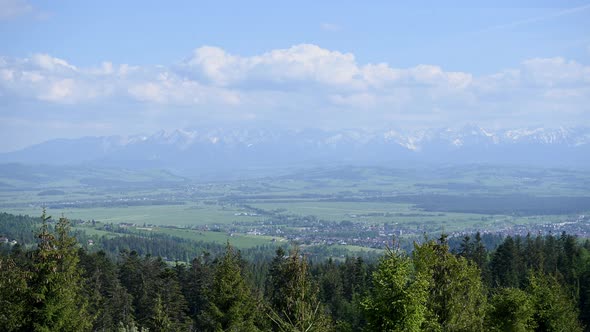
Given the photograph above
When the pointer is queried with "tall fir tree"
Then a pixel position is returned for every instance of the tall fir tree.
(456, 295)
(555, 309)
(300, 309)
(398, 300)
(511, 310)
(57, 302)
(231, 306)
(13, 295)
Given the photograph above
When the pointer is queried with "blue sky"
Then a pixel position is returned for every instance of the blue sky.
(74, 68)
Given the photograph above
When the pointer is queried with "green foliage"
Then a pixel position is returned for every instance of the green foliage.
(231, 305)
(196, 282)
(543, 306)
(511, 310)
(59, 287)
(18, 227)
(13, 294)
(160, 321)
(475, 251)
(456, 295)
(398, 300)
(554, 309)
(505, 265)
(158, 302)
(109, 302)
(170, 309)
(57, 303)
(584, 292)
(299, 308)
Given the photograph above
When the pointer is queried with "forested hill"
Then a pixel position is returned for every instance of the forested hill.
(526, 284)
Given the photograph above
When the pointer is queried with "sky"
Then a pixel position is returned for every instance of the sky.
(92, 68)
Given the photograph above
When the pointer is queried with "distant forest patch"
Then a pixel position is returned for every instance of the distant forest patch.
(522, 205)
(51, 192)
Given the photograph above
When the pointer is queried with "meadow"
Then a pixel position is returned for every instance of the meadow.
(430, 200)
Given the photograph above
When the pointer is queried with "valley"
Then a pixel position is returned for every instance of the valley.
(339, 206)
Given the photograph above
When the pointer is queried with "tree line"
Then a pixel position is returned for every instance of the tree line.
(533, 283)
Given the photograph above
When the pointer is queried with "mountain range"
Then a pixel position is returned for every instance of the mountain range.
(212, 149)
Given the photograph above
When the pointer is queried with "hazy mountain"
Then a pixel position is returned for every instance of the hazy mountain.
(213, 149)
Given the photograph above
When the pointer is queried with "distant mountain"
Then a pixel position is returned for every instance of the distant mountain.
(214, 149)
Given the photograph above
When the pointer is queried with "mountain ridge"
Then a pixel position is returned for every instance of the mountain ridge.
(243, 148)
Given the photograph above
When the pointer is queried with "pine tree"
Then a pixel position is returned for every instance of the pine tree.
(466, 248)
(398, 299)
(160, 321)
(169, 312)
(511, 310)
(13, 295)
(231, 305)
(57, 303)
(554, 309)
(331, 289)
(503, 266)
(196, 281)
(480, 257)
(301, 309)
(456, 296)
(109, 302)
(275, 280)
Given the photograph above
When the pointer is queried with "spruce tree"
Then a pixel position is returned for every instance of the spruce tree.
(456, 296)
(300, 309)
(57, 302)
(231, 305)
(554, 309)
(13, 295)
(398, 299)
(511, 310)
(109, 302)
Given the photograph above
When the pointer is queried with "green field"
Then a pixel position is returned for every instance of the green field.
(238, 240)
(169, 215)
(416, 200)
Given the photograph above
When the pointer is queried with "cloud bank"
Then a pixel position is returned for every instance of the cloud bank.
(301, 86)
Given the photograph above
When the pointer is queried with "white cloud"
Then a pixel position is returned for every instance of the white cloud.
(170, 89)
(300, 63)
(150, 92)
(106, 68)
(310, 64)
(7, 74)
(555, 71)
(49, 79)
(220, 67)
(381, 75)
(358, 100)
(47, 62)
(303, 85)
(59, 90)
(32, 76)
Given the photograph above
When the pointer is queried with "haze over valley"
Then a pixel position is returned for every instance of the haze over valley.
(294, 166)
(240, 148)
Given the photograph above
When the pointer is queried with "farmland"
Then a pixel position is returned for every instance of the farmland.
(346, 206)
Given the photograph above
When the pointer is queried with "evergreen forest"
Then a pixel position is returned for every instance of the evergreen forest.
(530, 283)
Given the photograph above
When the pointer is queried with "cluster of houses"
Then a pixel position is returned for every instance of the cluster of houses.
(313, 231)
(319, 232)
